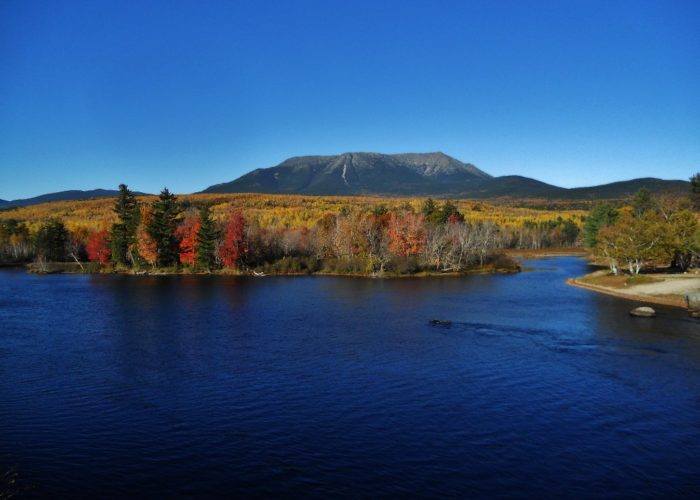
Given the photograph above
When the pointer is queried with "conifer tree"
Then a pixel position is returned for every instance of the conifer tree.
(207, 240)
(163, 228)
(51, 240)
(601, 215)
(123, 233)
(695, 191)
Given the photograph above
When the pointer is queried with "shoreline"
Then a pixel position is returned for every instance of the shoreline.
(546, 252)
(485, 270)
(677, 301)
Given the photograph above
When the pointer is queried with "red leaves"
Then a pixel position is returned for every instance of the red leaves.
(187, 234)
(234, 245)
(98, 248)
(406, 234)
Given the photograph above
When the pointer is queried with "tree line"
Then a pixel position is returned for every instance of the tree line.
(654, 231)
(167, 234)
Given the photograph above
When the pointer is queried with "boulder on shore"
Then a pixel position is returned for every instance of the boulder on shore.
(643, 312)
(693, 300)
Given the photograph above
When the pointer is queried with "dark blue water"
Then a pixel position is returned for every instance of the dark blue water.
(209, 386)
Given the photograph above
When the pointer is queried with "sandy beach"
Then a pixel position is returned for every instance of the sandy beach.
(664, 288)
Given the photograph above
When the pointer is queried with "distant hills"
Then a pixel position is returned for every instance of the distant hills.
(61, 196)
(410, 174)
(416, 174)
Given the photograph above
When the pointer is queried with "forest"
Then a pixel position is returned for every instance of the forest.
(278, 234)
(340, 235)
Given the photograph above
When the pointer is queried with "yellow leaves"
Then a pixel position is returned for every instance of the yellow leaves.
(291, 211)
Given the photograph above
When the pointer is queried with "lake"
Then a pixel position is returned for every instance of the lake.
(169, 386)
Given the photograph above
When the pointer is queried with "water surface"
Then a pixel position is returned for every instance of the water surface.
(193, 385)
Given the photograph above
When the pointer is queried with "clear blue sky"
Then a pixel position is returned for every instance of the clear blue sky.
(188, 94)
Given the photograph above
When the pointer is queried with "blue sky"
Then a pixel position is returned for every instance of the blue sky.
(188, 94)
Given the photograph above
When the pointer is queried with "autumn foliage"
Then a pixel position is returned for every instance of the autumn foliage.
(147, 249)
(98, 247)
(187, 234)
(233, 246)
(406, 233)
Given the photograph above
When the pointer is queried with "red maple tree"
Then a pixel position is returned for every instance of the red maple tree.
(187, 234)
(234, 245)
(98, 248)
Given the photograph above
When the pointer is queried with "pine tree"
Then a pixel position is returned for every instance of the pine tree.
(449, 212)
(695, 191)
(123, 233)
(207, 240)
(602, 215)
(51, 240)
(643, 202)
(430, 211)
(163, 228)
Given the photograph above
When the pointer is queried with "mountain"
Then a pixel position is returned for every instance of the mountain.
(62, 196)
(359, 173)
(415, 174)
(624, 189)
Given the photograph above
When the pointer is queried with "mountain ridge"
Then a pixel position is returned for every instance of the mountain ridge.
(69, 195)
(415, 174)
(402, 174)
(356, 173)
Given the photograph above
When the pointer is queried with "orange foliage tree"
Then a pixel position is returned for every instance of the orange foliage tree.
(187, 234)
(98, 247)
(406, 233)
(147, 248)
(234, 246)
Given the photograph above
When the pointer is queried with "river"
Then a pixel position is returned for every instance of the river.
(169, 386)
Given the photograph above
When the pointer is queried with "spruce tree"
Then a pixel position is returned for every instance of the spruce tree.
(695, 191)
(51, 240)
(163, 228)
(123, 233)
(207, 239)
(601, 215)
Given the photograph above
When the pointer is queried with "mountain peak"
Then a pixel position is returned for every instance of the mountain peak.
(359, 173)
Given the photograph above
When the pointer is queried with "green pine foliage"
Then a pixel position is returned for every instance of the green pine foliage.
(441, 215)
(51, 241)
(695, 191)
(602, 215)
(123, 233)
(163, 228)
(207, 241)
(643, 202)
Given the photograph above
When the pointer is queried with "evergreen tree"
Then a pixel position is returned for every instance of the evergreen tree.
(601, 215)
(644, 202)
(430, 211)
(449, 212)
(695, 191)
(207, 240)
(163, 228)
(123, 233)
(51, 240)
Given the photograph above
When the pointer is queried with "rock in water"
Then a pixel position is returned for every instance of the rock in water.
(440, 322)
(643, 312)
